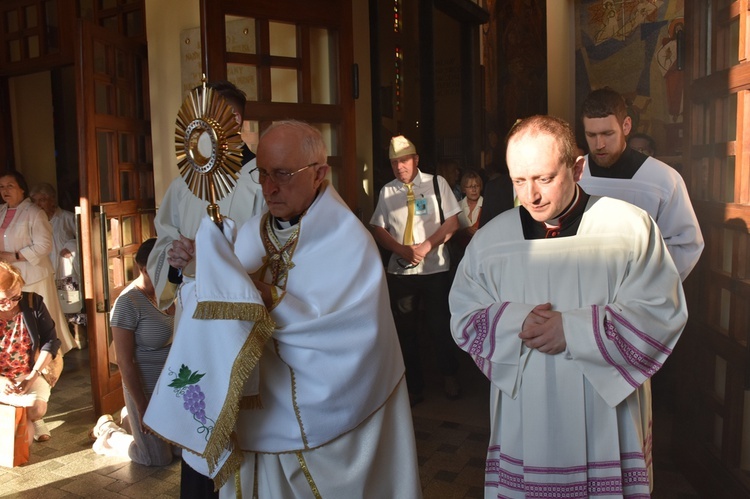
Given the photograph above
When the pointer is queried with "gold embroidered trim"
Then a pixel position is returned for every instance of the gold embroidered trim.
(231, 467)
(308, 476)
(246, 360)
(218, 310)
(278, 259)
(238, 485)
(297, 412)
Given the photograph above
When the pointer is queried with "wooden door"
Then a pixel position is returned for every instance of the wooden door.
(712, 438)
(297, 63)
(117, 192)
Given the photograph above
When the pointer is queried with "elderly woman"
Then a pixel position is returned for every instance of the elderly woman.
(64, 242)
(26, 243)
(28, 344)
(471, 206)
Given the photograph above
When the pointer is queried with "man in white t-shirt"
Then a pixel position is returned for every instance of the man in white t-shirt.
(419, 266)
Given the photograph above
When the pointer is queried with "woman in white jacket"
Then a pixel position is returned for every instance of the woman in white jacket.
(26, 242)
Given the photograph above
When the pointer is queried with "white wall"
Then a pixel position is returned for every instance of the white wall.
(165, 20)
(33, 130)
(561, 59)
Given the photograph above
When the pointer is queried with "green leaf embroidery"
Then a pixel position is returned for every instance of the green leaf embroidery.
(186, 377)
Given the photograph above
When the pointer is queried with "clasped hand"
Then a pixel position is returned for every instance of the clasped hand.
(181, 253)
(415, 253)
(543, 330)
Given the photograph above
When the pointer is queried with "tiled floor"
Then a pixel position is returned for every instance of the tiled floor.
(451, 442)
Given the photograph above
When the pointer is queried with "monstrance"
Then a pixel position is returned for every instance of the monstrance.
(208, 146)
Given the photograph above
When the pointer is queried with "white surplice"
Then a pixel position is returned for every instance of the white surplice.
(181, 212)
(335, 414)
(575, 424)
(660, 190)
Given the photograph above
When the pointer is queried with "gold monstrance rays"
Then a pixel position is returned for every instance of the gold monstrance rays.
(208, 146)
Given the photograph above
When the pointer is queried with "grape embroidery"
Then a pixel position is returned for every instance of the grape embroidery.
(194, 400)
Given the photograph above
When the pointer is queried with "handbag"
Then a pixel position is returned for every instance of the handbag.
(52, 372)
(14, 440)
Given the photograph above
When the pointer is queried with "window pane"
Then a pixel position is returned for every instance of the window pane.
(52, 28)
(127, 185)
(33, 46)
(734, 42)
(107, 4)
(100, 58)
(31, 16)
(728, 184)
(147, 226)
(128, 231)
(283, 39)
(113, 233)
(126, 148)
(106, 168)
(124, 107)
(720, 378)
(133, 24)
(246, 79)
(14, 50)
(101, 98)
(726, 251)
(731, 117)
(240, 34)
(724, 309)
(283, 85)
(109, 23)
(146, 183)
(324, 58)
(11, 21)
(129, 268)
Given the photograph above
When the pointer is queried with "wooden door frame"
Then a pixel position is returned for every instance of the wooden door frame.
(106, 385)
(335, 15)
(703, 396)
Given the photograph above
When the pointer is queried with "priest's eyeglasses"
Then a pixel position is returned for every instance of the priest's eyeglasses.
(278, 177)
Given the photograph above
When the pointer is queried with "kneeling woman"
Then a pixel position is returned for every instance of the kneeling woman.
(142, 335)
(28, 344)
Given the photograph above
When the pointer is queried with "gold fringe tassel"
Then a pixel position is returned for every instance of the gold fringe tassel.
(231, 467)
(218, 310)
(246, 360)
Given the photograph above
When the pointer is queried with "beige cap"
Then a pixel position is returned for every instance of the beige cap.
(400, 147)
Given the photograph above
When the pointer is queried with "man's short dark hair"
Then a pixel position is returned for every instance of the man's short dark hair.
(604, 102)
(231, 93)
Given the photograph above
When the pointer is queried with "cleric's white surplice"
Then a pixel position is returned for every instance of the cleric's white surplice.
(575, 424)
(181, 212)
(660, 190)
(335, 413)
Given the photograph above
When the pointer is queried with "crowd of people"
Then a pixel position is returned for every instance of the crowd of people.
(560, 276)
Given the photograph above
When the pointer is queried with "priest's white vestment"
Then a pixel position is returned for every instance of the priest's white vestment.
(335, 418)
(576, 424)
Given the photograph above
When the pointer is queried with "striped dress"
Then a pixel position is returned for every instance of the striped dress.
(153, 331)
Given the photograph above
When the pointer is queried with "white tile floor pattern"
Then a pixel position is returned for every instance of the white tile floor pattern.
(451, 442)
